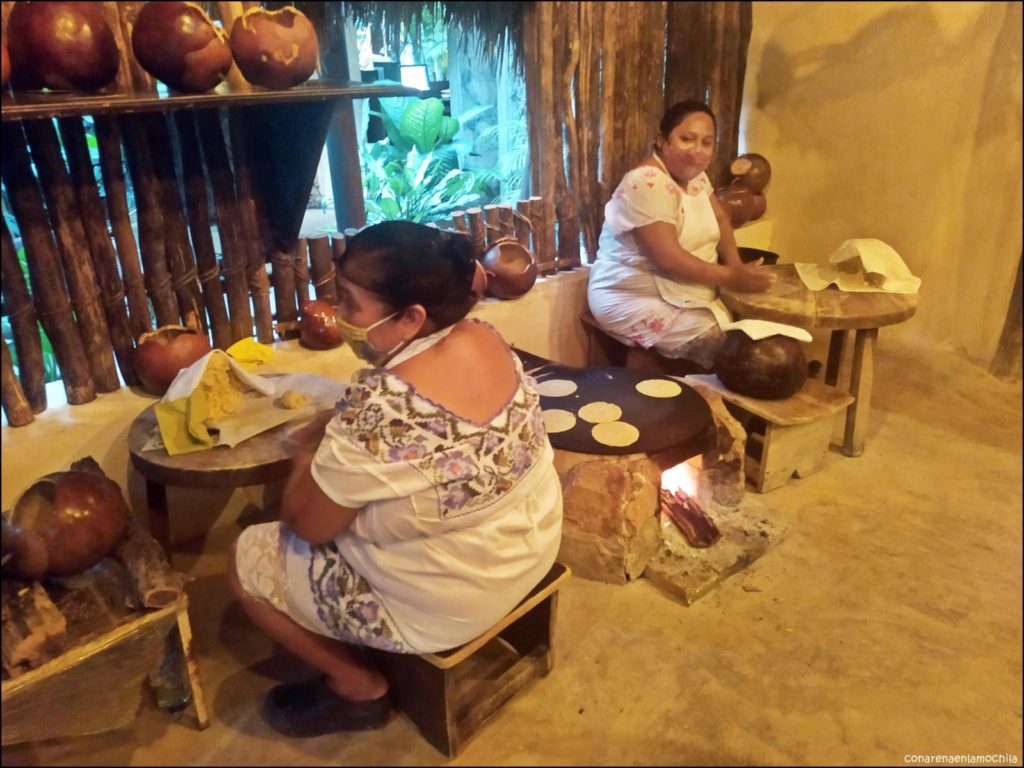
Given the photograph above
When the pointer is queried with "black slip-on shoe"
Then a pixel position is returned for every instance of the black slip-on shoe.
(310, 708)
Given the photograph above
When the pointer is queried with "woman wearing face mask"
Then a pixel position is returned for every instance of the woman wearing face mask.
(667, 245)
(420, 511)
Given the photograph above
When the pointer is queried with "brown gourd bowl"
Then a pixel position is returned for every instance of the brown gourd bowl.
(771, 368)
(274, 49)
(509, 268)
(161, 354)
(180, 46)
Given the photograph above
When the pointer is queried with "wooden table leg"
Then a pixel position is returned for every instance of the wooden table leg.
(836, 344)
(861, 378)
(159, 518)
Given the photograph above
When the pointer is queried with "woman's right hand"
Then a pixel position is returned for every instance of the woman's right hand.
(749, 278)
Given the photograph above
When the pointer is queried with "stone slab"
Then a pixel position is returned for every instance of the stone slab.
(686, 573)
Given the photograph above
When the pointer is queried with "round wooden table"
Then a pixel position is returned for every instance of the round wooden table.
(790, 301)
(260, 459)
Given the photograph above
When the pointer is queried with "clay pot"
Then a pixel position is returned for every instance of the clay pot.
(160, 354)
(509, 268)
(79, 517)
(180, 46)
(274, 49)
(751, 171)
(770, 368)
(6, 66)
(738, 201)
(61, 46)
(318, 328)
(759, 207)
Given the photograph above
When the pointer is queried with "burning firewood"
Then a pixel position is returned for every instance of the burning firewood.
(699, 529)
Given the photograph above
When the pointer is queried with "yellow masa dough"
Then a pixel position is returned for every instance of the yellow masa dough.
(557, 420)
(659, 388)
(617, 434)
(599, 412)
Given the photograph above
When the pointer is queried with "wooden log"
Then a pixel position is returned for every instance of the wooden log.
(156, 583)
(52, 304)
(32, 630)
(477, 230)
(199, 225)
(323, 268)
(568, 176)
(459, 221)
(506, 221)
(74, 251)
(18, 306)
(251, 236)
(492, 224)
(151, 235)
(227, 214)
(609, 75)
(108, 137)
(104, 259)
(180, 259)
(337, 253)
(123, 80)
(301, 272)
(141, 80)
(586, 97)
(94, 601)
(523, 225)
(15, 404)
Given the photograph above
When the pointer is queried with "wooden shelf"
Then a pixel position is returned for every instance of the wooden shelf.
(29, 106)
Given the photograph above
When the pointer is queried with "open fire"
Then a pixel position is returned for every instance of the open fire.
(679, 504)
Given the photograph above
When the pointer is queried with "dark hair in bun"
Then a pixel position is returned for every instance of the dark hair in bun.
(406, 263)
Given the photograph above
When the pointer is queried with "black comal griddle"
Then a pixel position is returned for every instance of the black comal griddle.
(682, 423)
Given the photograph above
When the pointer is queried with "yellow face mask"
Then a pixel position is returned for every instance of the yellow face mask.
(357, 337)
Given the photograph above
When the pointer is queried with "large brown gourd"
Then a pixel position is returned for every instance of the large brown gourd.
(509, 268)
(160, 354)
(61, 46)
(318, 328)
(770, 368)
(274, 49)
(63, 524)
(180, 46)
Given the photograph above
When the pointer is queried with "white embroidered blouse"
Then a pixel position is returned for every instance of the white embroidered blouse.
(460, 519)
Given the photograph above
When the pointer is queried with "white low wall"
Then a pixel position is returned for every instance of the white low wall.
(545, 321)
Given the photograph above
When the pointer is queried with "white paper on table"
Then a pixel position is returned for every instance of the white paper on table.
(760, 329)
(861, 265)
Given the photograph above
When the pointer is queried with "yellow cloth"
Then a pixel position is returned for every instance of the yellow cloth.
(172, 418)
(249, 353)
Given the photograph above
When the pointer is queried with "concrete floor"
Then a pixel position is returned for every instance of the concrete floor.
(887, 623)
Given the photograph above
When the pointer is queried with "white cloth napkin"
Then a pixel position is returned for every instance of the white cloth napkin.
(861, 265)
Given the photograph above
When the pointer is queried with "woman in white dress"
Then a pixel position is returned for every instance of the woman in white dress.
(667, 245)
(423, 508)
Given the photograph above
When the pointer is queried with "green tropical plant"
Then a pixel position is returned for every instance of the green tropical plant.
(416, 173)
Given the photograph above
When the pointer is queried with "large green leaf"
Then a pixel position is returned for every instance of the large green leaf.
(449, 127)
(421, 123)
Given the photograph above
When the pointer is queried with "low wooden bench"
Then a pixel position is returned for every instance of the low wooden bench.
(605, 349)
(449, 695)
(785, 437)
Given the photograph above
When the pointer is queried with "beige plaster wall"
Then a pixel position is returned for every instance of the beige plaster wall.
(898, 121)
(545, 321)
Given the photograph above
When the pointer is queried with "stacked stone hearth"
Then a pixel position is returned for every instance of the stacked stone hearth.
(613, 529)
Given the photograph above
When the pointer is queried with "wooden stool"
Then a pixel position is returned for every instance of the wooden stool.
(604, 349)
(784, 437)
(446, 695)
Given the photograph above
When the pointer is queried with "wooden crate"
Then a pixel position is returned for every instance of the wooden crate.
(785, 437)
(98, 685)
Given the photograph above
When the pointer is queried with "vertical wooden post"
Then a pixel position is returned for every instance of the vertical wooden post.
(15, 405)
(108, 137)
(251, 236)
(477, 230)
(150, 217)
(74, 251)
(505, 221)
(301, 272)
(337, 252)
(44, 267)
(523, 225)
(228, 217)
(323, 268)
(459, 221)
(18, 306)
(200, 227)
(127, 12)
(492, 224)
(104, 259)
